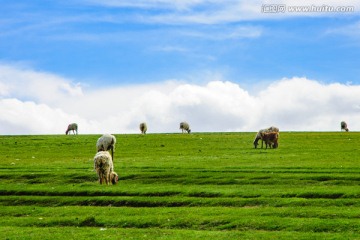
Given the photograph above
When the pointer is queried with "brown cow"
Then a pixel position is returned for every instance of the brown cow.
(270, 139)
(258, 135)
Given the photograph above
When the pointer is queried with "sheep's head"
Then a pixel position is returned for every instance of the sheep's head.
(114, 178)
(256, 142)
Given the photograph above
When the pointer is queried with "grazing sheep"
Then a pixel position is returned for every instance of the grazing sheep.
(258, 135)
(344, 127)
(184, 126)
(270, 139)
(143, 128)
(72, 127)
(104, 167)
(105, 143)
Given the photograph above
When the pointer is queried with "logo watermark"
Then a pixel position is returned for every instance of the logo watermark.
(283, 8)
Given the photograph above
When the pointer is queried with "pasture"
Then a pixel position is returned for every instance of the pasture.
(182, 186)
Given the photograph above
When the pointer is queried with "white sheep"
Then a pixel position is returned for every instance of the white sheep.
(72, 127)
(344, 126)
(143, 128)
(104, 167)
(184, 126)
(258, 135)
(105, 143)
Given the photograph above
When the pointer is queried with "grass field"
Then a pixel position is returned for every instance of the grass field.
(182, 186)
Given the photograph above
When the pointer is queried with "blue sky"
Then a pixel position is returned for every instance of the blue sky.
(93, 46)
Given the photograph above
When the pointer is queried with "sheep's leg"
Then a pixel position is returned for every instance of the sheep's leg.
(112, 152)
(102, 177)
(107, 178)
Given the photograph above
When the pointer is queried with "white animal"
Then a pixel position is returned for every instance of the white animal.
(72, 127)
(184, 126)
(104, 167)
(258, 135)
(105, 143)
(143, 128)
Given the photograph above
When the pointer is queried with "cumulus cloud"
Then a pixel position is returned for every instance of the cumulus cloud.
(40, 86)
(303, 104)
(47, 103)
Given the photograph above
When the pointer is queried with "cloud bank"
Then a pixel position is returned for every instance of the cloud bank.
(33, 102)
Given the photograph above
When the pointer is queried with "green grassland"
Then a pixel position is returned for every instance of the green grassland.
(182, 186)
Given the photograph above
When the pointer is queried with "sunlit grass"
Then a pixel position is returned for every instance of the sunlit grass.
(175, 186)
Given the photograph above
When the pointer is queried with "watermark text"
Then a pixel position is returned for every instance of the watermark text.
(283, 8)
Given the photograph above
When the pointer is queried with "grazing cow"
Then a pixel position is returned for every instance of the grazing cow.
(270, 139)
(258, 135)
(343, 126)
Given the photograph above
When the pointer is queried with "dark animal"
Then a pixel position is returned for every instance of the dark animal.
(343, 126)
(143, 128)
(72, 127)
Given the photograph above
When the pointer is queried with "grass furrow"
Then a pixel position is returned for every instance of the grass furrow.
(176, 186)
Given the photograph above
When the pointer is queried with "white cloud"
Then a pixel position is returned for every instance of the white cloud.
(293, 104)
(351, 30)
(170, 49)
(180, 5)
(303, 104)
(217, 12)
(26, 117)
(218, 33)
(39, 86)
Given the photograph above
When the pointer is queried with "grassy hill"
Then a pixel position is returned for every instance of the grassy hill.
(177, 186)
